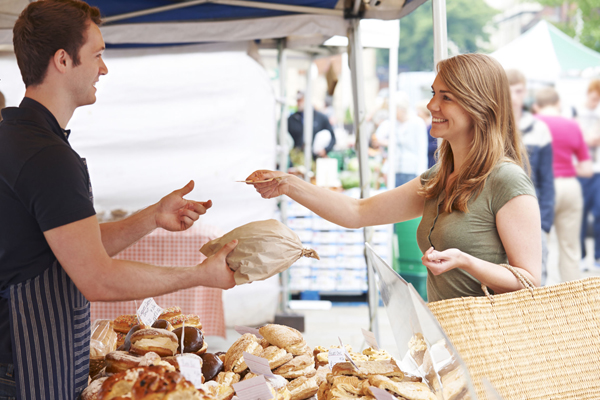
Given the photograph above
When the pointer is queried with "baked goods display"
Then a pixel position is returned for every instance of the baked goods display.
(146, 366)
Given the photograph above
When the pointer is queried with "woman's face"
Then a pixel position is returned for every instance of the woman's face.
(449, 120)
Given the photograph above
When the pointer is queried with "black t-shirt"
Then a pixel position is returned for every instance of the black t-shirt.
(44, 184)
(320, 123)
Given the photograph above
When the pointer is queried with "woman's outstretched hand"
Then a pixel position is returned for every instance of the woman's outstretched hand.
(269, 184)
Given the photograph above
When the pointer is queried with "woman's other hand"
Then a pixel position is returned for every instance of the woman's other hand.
(439, 262)
(276, 186)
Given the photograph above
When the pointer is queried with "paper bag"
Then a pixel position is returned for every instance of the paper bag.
(264, 249)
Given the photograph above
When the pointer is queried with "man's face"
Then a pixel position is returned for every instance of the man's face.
(84, 76)
(517, 96)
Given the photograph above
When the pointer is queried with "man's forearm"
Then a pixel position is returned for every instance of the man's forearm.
(117, 236)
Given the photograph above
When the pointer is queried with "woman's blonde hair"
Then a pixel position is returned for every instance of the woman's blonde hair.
(480, 86)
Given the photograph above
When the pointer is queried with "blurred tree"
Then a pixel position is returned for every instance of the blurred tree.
(465, 21)
(586, 11)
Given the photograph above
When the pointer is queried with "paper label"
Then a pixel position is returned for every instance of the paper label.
(347, 354)
(149, 312)
(258, 365)
(244, 329)
(335, 356)
(191, 369)
(381, 394)
(370, 339)
(253, 389)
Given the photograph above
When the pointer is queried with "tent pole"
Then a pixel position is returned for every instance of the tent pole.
(355, 52)
(391, 164)
(308, 120)
(283, 161)
(440, 32)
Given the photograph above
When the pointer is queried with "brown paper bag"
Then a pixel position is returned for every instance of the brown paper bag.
(264, 249)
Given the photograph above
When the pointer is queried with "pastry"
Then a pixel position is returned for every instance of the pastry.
(126, 346)
(120, 338)
(417, 347)
(91, 392)
(403, 390)
(117, 361)
(302, 388)
(375, 355)
(347, 386)
(387, 368)
(148, 383)
(219, 391)
(276, 356)
(160, 341)
(227, 378)
(163, 324)
(211, 366)
(124, 323)
(203, 348)
(165, 385)
(299, 366)
(234, 358)
(321, 375)
(193, 340)
(324, 389)
(454, 384)
(285, 337)
(189, 320)
(170, 313)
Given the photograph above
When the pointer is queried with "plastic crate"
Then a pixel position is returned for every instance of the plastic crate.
(406, 238)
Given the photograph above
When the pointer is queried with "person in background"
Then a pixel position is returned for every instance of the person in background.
(538, 141)
(2, 103)
(410, 157)
(320, 124)
(567, 144)
(477, 204)
(54, 255)
(432, 143)
(588, 117)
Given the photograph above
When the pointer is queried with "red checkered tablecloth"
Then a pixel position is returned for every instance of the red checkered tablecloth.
(174, 249)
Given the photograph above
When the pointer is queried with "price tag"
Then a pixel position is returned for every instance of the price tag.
(258, 365)
(253, 389)
(335, 356)
(347, 354)
(381, 394)
(191, 369)
(149, 312)
(244, 329)
(370, 338)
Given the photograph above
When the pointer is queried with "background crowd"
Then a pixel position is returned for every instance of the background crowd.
(563, 145)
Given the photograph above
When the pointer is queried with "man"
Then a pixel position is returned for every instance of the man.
(320, 124)
(2, 103)
(588, 117)
(410, 158)
(567, 145)
(538, 140)
(54, 256)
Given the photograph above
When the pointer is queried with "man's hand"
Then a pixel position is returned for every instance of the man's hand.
(216, 273)
(174, 213)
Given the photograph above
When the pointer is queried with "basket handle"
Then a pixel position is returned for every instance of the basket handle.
(525, 281)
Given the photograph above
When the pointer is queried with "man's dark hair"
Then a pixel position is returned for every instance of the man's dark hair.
(46, 26)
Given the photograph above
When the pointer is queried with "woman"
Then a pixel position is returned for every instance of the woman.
(478, 204)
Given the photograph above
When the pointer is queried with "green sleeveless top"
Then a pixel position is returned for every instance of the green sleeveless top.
(474, 232)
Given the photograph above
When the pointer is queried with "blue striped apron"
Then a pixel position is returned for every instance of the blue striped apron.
(50, 334)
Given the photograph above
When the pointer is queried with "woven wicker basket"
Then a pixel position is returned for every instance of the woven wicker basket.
(541, 343)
